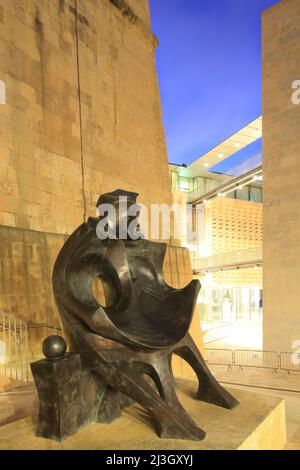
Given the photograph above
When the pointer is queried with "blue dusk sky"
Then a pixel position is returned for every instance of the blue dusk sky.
(209, 68)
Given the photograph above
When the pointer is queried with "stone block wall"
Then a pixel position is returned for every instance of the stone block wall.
(82, 116)
(59, 150)
(26, 264)
(281, 161)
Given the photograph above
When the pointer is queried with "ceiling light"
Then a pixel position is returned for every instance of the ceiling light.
(257, 178)
(237, 144)
(205, 164)
(221, 155)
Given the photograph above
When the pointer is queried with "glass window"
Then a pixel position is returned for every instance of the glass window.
(184, 185)
(243, 193)
(255, 194)
(211, 184)
(231, 195)
(174, 180)
(198, 182)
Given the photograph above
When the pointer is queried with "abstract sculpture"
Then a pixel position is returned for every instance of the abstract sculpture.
(120, 353)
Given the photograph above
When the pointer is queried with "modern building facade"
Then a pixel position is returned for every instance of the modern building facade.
(247, 256)
(227, 218)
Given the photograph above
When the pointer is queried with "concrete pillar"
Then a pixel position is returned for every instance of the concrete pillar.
(281, 160)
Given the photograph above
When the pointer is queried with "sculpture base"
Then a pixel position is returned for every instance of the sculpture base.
(257, 424)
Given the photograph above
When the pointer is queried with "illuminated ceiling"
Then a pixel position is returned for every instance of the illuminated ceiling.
(241, 139)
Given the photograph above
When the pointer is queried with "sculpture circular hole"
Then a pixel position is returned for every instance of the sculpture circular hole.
(104, 292)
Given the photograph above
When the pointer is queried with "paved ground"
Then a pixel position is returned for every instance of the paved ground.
(241, 335)
(249, 336)
(259, 378)
(17, 404)
(267, 381)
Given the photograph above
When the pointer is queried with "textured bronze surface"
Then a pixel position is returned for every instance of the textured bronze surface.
(126, 347)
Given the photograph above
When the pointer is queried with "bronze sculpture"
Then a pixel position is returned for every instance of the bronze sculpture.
(121, 353)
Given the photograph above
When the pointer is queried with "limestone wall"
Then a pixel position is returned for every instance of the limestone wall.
(47, 158)
(60, 149)
(55, 161)
(281, 160)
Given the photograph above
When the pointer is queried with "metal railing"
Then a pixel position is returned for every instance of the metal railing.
(257, 359)
(228, 260)
(21, 344)
(219, 357)
(289, 362)
(200, 194)
(14, 360)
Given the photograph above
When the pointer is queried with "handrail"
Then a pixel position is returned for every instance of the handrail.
(227, 260)
(234, 183)
(15, 347)
(14, 358)
(253, 358)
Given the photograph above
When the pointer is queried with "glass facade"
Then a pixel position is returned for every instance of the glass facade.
(228, 305)
(247, 193)
(194, 186)
(197, 187)
(234, 300)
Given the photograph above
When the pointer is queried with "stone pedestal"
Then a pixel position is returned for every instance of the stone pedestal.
(59, 386)
(259, 423)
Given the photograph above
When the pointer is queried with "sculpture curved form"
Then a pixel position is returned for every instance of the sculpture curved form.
(145, 322)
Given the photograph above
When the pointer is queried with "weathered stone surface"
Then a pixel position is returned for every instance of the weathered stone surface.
(123, 143)
(26, 260)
